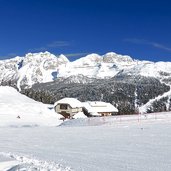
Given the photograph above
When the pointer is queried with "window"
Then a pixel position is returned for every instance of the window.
(63, 106)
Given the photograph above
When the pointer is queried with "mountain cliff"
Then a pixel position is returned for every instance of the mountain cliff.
(45, 67)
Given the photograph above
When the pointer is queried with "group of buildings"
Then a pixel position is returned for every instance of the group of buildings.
(68, 107)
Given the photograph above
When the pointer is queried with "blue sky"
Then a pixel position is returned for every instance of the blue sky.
(141, 29)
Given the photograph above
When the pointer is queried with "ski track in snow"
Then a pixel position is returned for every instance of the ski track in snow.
(27, 163)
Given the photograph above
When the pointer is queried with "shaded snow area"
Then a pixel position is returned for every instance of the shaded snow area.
(18, 110)
(127, 145)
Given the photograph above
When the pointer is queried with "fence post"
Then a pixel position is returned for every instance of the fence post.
(155, 116)
(138, 117)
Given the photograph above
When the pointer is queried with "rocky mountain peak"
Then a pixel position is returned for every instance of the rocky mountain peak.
(112, 57)
(62, 58)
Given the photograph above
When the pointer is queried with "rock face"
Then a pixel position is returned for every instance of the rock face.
(129, 84)
(31, 69)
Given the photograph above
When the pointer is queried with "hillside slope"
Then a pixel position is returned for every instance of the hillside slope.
(18, 110)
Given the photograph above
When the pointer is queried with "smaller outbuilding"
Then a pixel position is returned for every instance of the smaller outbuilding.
(68, 107)
(98, 108)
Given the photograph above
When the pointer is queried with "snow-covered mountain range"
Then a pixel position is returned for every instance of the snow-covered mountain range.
(45, 67)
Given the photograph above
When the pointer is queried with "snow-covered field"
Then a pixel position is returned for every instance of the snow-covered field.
(138, 146)
(39, 141)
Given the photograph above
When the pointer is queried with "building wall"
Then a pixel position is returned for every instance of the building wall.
(69, 110)
(58, 110)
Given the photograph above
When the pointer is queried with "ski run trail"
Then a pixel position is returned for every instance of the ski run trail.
(144, 108)
(121, 143)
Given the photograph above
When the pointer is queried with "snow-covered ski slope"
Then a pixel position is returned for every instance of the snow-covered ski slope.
(126, 146)
(145, 107)
(19, 110)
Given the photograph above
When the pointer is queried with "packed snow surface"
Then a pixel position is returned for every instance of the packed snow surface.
(121, 143)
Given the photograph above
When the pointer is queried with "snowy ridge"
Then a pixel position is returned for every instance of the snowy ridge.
(112, 57)
(20, 163)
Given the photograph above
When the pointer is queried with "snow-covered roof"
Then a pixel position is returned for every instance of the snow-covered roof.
(71, 101)
(98, 106)
(79, 115)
